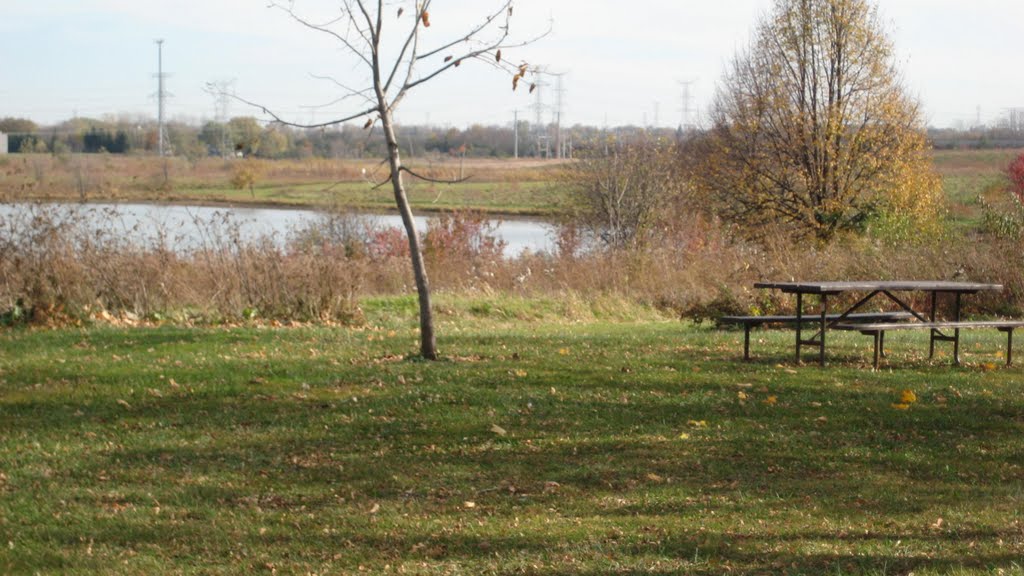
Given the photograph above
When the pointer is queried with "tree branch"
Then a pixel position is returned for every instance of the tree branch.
(352, 93)
(284, 122)
(411, 41)
(434, 180)
(505, 9)
(322, 28)
(496, 45)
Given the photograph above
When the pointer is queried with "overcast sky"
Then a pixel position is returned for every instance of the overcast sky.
(623, 62)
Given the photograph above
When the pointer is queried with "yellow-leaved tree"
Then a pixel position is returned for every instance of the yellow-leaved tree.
(812, 129)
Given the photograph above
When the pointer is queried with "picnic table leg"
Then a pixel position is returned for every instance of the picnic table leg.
(878, 344)
(931, 318)
(746, 341)
(824, 320)
(1009, 346)
(881, 343)
(956, 334)
(799, 321)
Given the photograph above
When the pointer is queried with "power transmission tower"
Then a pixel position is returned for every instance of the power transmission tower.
(515, 134)
(1016, 119)
(161, 97)
(559, 106)
(539, 108)
(538, 99)
(538, 113)
(221, 91)
(687, 109)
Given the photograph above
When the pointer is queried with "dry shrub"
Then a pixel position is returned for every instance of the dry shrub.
(58, 265)
(461, 249)
(701, 270)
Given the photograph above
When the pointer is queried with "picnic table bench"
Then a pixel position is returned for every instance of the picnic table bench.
(749, 322)
(878, 330)
(919, 320)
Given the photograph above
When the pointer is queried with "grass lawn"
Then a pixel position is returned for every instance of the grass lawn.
(535, 447)
(533, 198)
(502, 186)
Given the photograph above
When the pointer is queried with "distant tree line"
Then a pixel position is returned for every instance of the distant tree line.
(982, 137)
(246, 136)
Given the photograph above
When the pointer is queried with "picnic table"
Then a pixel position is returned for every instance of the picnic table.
(892, 290)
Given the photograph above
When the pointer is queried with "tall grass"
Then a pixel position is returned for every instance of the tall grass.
(60, 265)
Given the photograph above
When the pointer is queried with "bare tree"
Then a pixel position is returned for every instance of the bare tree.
(394, 70)
(619, 191)
(812, 129)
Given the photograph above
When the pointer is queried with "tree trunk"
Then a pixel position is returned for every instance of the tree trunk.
(428, 343)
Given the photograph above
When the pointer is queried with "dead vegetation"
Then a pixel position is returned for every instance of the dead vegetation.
(56, 270)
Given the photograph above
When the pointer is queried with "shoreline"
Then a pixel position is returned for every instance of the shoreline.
(547, 217)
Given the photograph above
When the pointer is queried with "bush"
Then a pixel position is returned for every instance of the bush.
(619, 191)
(1015, 172)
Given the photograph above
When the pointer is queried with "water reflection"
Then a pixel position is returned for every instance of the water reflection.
(186, 227)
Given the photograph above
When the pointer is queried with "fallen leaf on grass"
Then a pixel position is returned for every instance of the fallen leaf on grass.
(124, 403)
(901, 406)
(499, 430)
(697, 423)
(907, 397)
(771, 400)
(469, 504)
(375, 509)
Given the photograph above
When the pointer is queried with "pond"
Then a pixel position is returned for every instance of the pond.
(185, 227)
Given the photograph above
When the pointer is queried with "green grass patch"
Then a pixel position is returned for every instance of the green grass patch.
(554, 447)
(523, 198)
(497, 197)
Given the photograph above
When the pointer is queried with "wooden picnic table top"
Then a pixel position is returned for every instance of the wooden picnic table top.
(812, 287)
